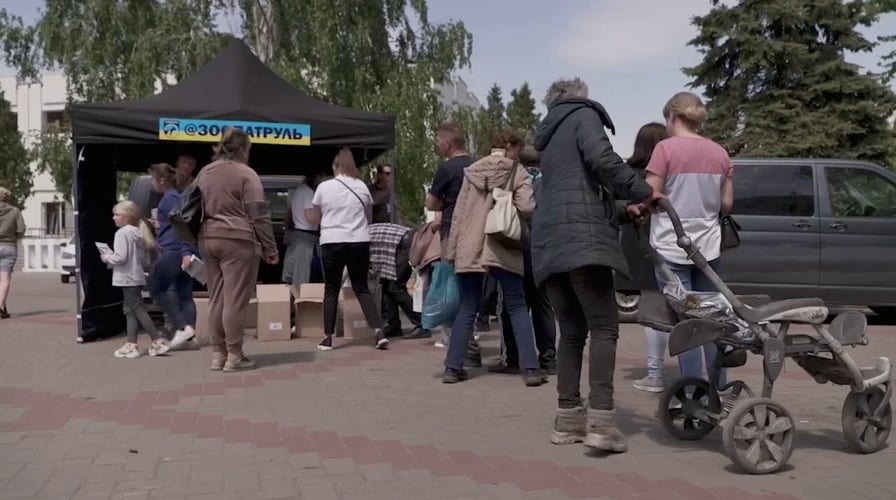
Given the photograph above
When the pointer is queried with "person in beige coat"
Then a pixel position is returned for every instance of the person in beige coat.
(474, 254)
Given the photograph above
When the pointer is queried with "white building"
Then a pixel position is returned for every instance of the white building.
(48, 216)
(457, 94)
(46, 212)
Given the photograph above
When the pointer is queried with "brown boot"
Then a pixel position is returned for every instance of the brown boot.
(603, 433)
(569, 426)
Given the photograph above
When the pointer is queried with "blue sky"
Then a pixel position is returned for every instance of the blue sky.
(630, 52)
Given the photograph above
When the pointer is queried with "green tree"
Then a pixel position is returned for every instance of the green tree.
(15, 173)
(888, 61)
(475, 123)
(494, 108)
(521, 115)
(778, 85)
(124, 49)
(51, 150)
(379, 55)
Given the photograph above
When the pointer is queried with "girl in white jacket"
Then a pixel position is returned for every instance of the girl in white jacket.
(131, 250)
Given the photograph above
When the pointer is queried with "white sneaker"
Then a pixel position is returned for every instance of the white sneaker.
(182, 336)
(440, 343)
(649, 384)
(160, 346)
(128, 350)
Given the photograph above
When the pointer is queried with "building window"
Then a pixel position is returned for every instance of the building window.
(53, 120)
(54, 218)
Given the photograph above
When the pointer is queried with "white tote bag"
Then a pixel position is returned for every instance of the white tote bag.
(503, 219)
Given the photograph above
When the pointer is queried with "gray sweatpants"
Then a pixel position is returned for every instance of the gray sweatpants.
(135, 313)
(297, 261)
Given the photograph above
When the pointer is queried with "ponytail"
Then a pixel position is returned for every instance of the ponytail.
(147, 235)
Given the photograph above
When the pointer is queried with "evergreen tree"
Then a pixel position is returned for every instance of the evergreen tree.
(15, 173)
(778, 85)
(494, 107)
(521, 116)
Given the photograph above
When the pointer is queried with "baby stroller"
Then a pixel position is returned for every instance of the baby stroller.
(758, 432)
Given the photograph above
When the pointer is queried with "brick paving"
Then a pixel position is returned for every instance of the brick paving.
(357, 423)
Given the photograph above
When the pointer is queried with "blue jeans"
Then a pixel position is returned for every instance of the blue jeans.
(656, 351)
(179, 306)
(514, 301)
(693, 279)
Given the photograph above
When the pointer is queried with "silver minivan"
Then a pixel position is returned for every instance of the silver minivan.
(811, 228)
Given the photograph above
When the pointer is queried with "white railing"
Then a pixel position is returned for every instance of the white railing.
(42, 254)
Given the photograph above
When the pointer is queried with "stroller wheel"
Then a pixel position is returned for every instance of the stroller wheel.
(689, 408)
(758, 435)
(867, 419)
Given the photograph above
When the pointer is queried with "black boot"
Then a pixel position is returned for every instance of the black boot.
(474, 355)
(548, 361)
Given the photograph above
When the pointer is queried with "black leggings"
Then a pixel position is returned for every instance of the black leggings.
(335, 258)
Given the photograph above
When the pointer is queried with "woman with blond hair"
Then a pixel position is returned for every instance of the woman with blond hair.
(130, 255)
(12, 229)
(343, 208)
(696, 174)
(236, 230)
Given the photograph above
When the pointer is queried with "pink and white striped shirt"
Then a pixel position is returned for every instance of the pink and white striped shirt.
(694, 169)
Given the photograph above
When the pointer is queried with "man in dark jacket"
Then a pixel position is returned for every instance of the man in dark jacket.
(575, 249)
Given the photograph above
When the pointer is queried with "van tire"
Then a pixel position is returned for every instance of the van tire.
(627, 303)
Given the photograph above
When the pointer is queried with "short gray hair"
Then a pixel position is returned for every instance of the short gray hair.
(565, 89)
(5, 195)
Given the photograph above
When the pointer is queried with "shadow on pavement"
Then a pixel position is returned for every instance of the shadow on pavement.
(265, 360)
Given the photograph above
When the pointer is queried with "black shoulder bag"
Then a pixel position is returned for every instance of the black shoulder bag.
(186, 217)
(730, 228)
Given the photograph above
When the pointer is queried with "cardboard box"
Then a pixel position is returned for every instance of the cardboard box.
(201, 302)
(252, 314)
(273, 312)
(310, 310)
(353, 322)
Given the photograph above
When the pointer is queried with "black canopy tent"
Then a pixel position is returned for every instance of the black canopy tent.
(291, 132)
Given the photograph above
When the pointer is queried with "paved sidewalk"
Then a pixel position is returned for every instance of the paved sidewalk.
(357, 423)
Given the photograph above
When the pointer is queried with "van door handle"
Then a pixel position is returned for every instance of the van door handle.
(803, 224)
(839, 226)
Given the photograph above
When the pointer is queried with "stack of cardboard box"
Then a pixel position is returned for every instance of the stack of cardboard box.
(269, 312)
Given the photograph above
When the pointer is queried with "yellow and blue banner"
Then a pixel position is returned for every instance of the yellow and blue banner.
(185, 129)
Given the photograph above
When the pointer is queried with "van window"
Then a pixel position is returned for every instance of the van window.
(782, 190)
(856, 192)
(277, 203)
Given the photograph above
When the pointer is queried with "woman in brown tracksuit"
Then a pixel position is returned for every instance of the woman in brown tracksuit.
(236, 230)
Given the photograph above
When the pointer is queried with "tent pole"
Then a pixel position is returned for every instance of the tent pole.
(392, 215)
(75, 203)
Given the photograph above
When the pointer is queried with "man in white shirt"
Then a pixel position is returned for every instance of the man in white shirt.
(300, 236)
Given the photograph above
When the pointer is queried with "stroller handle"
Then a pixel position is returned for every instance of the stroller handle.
(666, 206)
(687, 244)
